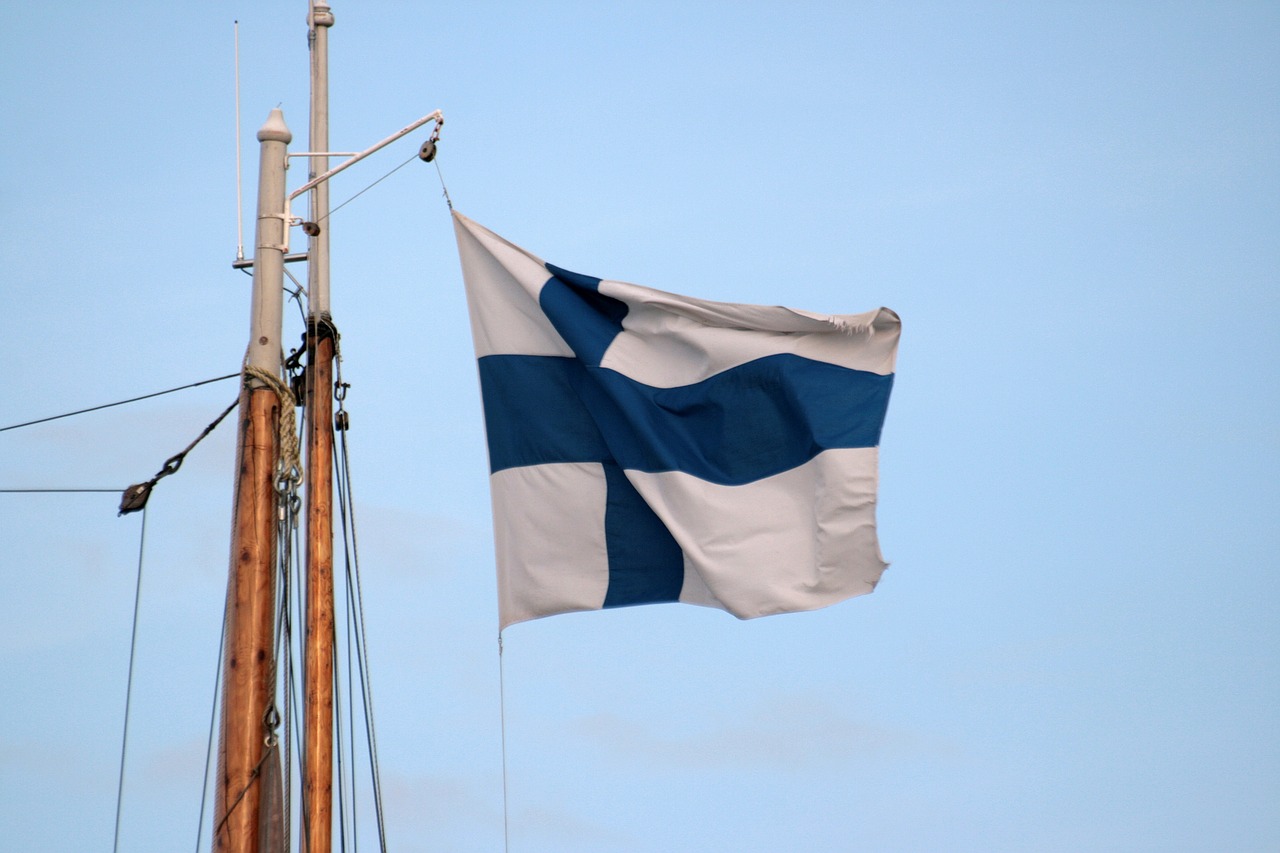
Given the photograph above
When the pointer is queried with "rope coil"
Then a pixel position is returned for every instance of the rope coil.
(289, 468)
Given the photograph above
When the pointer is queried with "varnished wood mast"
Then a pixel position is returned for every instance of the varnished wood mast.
(317, 776)
(317, 770)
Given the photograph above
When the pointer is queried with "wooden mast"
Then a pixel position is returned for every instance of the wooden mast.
(318, 662)
(317, 770)
(247, 687)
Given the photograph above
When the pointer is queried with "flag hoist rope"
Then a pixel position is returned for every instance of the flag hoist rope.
(502, 717)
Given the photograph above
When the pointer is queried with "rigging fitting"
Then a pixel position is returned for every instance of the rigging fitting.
(135, 497)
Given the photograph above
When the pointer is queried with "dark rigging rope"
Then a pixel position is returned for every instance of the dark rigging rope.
(56, 491)
(120, 403)
(135, 497)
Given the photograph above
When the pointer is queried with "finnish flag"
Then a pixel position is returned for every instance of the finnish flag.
(647, 447)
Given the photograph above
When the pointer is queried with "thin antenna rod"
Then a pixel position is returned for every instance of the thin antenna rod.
(239, 197)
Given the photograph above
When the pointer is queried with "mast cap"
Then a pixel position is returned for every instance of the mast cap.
(275, 130)
(320, 15)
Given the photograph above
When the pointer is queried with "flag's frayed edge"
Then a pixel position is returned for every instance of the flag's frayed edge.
(854, 324)
(867, 327)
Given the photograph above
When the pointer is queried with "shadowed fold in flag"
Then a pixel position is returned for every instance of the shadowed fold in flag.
(647, 447)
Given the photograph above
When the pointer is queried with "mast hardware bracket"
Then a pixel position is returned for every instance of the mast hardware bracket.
(437, 117)
(247, 263)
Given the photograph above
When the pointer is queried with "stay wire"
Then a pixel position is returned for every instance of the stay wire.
(353, 641)
(362, 636)
(288, 545)
(298, 705)
(366, 189)
(213, 723)
(57, 491)
(136, 496)
(356, 624)
(502, 717)
(347, 747)
(119, 403)
(338, 754)
(345, 752)
(128, 694)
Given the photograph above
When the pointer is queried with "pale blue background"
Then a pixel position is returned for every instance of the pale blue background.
(1074, 208)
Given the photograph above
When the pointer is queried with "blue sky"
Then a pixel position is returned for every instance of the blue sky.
(1072, 206)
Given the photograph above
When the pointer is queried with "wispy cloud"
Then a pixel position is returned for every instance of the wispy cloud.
(405, 540)
(458, 814)
(794, 733)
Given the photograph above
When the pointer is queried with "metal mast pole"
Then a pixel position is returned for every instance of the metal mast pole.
(319, 21)
(317, 781)
(247, 688)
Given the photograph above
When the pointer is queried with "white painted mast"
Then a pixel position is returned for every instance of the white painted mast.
(320, 20)
(270, 245)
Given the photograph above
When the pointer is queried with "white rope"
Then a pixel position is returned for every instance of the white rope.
(290, 466)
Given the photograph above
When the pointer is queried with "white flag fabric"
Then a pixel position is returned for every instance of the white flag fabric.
(646, 447)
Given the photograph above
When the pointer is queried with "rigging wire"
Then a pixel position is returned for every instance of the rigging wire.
(297, 706)
(362, 639)
(443, 189)
(338, 753)
(502, 717)
(296, 295)
(347, 772)
(120, 403)
(295, 703)
(356, 612)
(348, 782)
(213, 722)
(351, 716)
(289, 546)
(343, 781)
(136, 496)
(55, 491)
(128, 694)
(366, 189)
